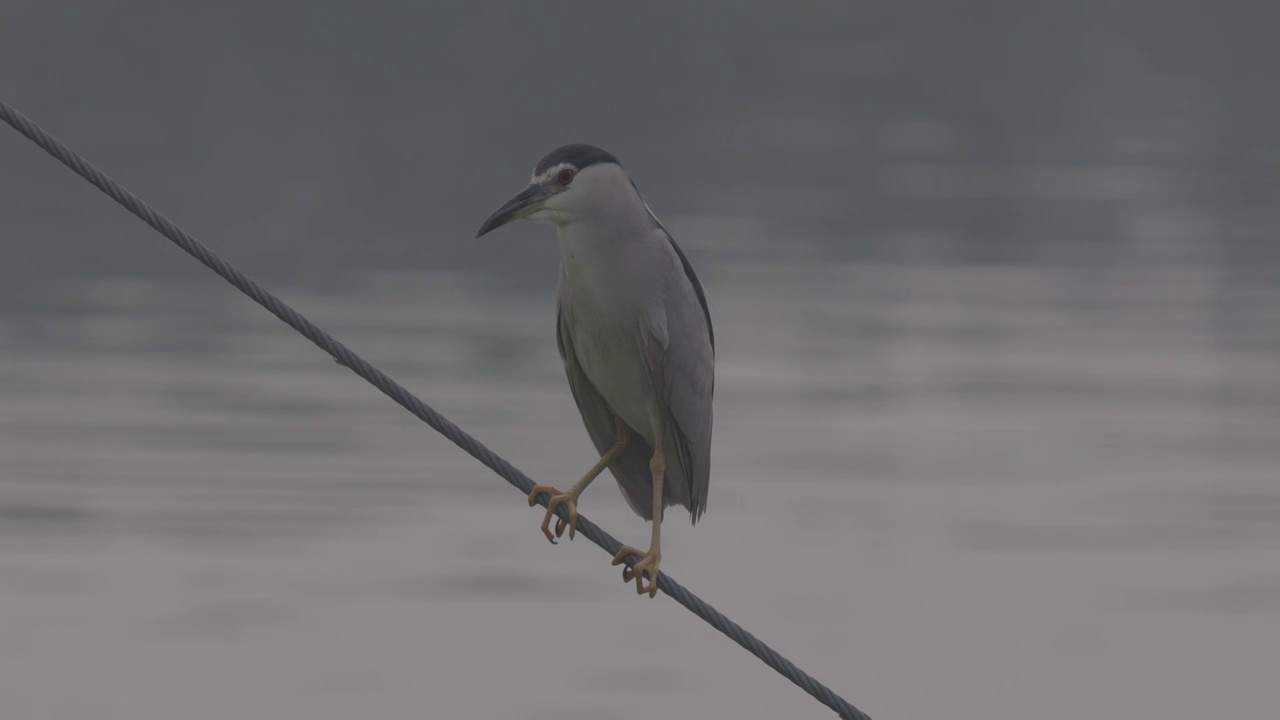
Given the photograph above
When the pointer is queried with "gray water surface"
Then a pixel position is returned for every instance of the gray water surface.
(967, 491)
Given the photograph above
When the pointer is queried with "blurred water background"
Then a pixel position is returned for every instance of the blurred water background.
(997, 300)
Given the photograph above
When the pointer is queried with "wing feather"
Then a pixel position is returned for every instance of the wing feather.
(681, 357)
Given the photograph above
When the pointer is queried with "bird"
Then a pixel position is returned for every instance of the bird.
(634, 332)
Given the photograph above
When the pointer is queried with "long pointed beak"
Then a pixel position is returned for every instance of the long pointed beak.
(523, 204)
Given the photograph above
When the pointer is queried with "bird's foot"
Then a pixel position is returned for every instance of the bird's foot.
(645, 569)
(570, 502)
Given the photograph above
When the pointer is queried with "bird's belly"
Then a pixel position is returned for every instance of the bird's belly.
(613, 359)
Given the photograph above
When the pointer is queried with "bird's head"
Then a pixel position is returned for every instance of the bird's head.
(568, 184)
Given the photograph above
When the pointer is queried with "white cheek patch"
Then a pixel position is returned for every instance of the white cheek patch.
(550, 173)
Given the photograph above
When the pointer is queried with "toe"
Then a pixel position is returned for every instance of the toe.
(571, 508)
(623, 552)
(573, 520)
(546, 530)
(537, 490)
(546, 527)
(645, 575)
(646, 583)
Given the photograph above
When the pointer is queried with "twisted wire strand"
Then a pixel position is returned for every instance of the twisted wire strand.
(408, 401)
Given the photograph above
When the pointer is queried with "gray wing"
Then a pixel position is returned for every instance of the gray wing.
(680, 350)
(631, 469)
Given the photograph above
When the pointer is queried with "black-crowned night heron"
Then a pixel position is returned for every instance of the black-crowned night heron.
(635, 335)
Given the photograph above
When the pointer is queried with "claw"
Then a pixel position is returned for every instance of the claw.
(570, 506)
(556, 499)
(645, 569)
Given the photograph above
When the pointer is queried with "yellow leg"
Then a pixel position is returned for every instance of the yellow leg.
(647, 567)
(570, 499)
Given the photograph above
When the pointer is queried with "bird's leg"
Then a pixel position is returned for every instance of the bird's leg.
(647, 567)
(570, 499)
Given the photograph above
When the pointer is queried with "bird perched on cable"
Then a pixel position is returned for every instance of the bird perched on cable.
(634, 331)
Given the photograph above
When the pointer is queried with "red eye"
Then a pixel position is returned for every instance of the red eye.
(565, 177)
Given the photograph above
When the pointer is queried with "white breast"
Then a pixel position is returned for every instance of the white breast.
(603, 306)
